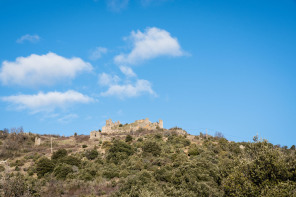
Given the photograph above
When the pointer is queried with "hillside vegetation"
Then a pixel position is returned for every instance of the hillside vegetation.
(154, 163)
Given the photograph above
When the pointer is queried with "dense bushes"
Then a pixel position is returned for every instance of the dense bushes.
(14, 186)
(194, 150)
(152, 147)
(59, 154)
(119, 151)
(62, 170)
(178, 140)
(160, 164)
(267, 168)
(91, 154)
(44, 165)
(15, 142)
(71, 160)
(111, 171)
(128, 138)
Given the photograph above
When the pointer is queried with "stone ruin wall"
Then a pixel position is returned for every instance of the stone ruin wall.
(117, 128)
(37, 141)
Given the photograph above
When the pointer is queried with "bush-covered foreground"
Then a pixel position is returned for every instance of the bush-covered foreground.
(159, 163)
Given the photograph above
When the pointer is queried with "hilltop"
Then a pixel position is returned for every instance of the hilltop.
(156, 162)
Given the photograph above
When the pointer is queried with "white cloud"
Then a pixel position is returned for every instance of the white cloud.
(117, 5)
(36, 70)
(127, 71)
(152, 43)
(130, 90)
(98, 52)
(107, 80)
(28, 37)
(47, 101)
(68, 118)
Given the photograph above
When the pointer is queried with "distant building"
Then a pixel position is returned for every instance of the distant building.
(117, 127)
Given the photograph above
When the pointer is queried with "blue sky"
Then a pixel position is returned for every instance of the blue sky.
(226, 66)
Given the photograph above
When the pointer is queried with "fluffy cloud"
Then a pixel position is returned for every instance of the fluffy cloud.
(36, 70)
(150, 44)
(29, 38)
(106, 79)
(130, 90)
(127, 71)
(47, 101)
(97, 53)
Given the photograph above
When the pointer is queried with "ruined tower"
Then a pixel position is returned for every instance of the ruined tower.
(37, 141)
(161, 124)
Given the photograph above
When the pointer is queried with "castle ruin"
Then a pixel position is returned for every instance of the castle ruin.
(117, 128)
(37, 141)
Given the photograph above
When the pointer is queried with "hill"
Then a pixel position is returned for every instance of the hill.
(155, 162)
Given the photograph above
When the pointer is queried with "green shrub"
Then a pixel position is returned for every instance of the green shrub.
(110, 171)
(2, 168)
(31, 171)
(194, 150)
(145, 177)
(86, 176)
(59, 154)
(124, 173)
(128, 138)
(44, 165)
(14, 186)
(106, 144)
(162, 175)
(36, 156)
(91, 154)
(62, 170)
(158, 136)
(84, 146)
(119, 151)
(178, 140)
(71, 160)
(152, 147)
(99, 160)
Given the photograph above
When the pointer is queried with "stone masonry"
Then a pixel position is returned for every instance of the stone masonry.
(117, 127)
(37, 141)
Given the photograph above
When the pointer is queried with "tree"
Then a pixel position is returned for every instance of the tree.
(219, 135)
